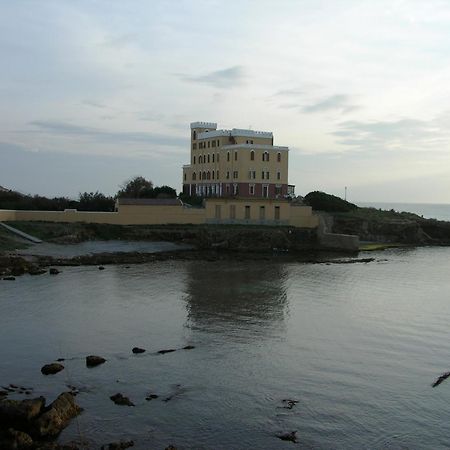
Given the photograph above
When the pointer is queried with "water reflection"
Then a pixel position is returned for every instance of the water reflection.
(230, 296)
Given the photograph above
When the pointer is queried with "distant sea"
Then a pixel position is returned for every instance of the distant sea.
(439, 211)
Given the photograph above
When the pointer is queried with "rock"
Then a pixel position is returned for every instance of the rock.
(189, 347)
(120, 399)
(57, 416)
(92, 360)
(151, 397)
(170, 447)
(10, 278)
(37, 271)
(163, 352)
(23, 411)
(101, 268)
(12, 439)
(289, 404)
(291, 437)
(117, 445)
(51, 369)
(61, 359)
(53, 271)
(138, 350)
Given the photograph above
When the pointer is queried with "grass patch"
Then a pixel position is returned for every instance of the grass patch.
(378, 246)
(9, 242)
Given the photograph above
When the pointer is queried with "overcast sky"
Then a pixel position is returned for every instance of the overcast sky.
(95, 92)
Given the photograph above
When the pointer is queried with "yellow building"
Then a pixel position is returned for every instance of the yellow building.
(235, 163)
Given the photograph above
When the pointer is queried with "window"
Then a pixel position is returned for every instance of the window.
(217, 157)
(267, 175)
(218, 212)
(228, 156)
(235, 174)
(194, 146)
(265, 191)
(194, 135)
(265, 156)
(278, 175)
(208, 175)
(262, 213)
(235, 189)
(199, 175)
(228, 175)
(184, 177)
(209, 144)
(278, 189)
(213, 143)
(194, 176)
(232, 211)
(217, 142)
(217, 176)
(200, 159)
(251, 189)
(213, 156)
(262, 174)
(208, 157)
(213, 174)
(194, 159)
(279, 157)
(277, 213)
(204, 175)
(247, 212)
(252, 155)
(235, 156)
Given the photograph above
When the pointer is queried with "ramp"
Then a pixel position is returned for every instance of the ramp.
(23, 235)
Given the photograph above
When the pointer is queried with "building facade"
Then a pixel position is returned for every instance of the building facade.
(235, 163)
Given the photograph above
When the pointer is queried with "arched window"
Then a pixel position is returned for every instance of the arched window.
(194, 159)
(213, 174)
(279, 157)
(213, 156)
(252, 155)
(208, 157)
(199, 175)
(194, 135)
(204, 176)
(265, 156)
(184, 177)
(199, 159)
(194, 176)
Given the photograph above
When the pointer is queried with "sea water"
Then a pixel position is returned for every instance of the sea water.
(356, 345)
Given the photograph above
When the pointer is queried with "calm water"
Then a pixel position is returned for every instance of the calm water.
(357, 345)
(439, 211)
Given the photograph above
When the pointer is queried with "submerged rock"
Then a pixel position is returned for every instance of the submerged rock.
(122, 445)
(53, 271)
(51, 369)
(101, 268)
(138, 350)
(92, 360)
(120, 399)
(37, 271)
(9, 278)
(151, 397)
(289, 404)
(163, 352)
(291, 437)
(188, 347)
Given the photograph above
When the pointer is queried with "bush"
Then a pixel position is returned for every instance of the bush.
(320, 201)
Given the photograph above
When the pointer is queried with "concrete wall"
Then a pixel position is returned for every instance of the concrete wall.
(216, 211)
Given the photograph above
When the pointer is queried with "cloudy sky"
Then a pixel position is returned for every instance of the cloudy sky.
(94, 92)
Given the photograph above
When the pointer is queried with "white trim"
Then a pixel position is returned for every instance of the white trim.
(234, 132)
(203, 125)
(255, 147)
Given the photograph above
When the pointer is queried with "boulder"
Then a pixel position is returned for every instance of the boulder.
(51, 369)
(92, 360)
(291, 437)
(120, 399)
(101, 268)
(12, 439)
(20, 411)
(57, 416)
(138, 350)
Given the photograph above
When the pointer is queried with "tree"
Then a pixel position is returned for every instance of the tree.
(326, 202)
(137, 187)
(164, 192)
(95, 201)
